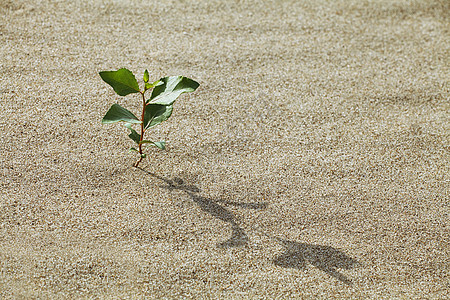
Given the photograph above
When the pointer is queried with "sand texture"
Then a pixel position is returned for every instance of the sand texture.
(311, 163)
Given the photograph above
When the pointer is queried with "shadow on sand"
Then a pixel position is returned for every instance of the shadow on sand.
(327, 259)
(211, 206)
(296, 255)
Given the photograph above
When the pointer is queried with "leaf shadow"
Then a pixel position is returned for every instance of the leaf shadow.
(326, 258)
(214, 207)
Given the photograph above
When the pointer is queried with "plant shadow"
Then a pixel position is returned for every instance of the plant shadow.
(326, 258)
(296, 255)
(214, 207)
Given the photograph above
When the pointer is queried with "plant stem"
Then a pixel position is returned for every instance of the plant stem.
(142, 129)
(137, 163)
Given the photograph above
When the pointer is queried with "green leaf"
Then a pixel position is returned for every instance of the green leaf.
(133, 135)
(133, 149)
(156, 113)
(117, 113)
(171, 88)
(151, 85)
(161, 145)
(122, 81)
(146, 76)
(157, 82)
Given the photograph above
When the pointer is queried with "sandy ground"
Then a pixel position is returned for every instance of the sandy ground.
(312, 162)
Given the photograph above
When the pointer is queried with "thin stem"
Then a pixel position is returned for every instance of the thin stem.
(137, 163)
(142, 129)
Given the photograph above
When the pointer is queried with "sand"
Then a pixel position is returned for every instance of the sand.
(312, 161)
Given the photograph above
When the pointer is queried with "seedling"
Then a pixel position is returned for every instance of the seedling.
(158, 108)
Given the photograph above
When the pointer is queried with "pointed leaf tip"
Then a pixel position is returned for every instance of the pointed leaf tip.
(117, 113)
(161, 145)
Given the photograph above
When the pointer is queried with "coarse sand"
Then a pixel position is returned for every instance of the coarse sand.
(312, 161)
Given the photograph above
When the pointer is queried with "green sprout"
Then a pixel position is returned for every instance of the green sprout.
(156, 109)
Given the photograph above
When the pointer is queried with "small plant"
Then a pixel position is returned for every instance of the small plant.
(155, 110)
